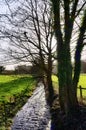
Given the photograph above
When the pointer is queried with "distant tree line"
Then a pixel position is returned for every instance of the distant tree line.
(2, 68)
(34, 69)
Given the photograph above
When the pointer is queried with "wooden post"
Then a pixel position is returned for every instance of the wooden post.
(81, 97)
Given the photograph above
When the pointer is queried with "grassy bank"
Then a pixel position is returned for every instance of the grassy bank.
(14, 92)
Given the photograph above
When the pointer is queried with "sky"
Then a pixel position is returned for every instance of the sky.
(4, 9)
(3, 43)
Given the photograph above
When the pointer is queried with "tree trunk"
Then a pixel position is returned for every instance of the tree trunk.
(67, 93)
(50, 90)
(72, 102)
(67, 85)
(49, 79)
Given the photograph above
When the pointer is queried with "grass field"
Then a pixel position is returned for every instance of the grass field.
(13, 84)
(82, 82)
(14, 92)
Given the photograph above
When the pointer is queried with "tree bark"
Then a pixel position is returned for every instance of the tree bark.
(49, 79)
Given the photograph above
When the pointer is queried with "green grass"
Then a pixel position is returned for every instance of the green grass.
(82, 82)
(54, 78)
(10, 85)
(14, 92)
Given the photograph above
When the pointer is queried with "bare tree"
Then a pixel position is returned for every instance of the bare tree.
(30, 30)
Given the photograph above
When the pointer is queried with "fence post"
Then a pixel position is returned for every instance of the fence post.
(81, 97)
